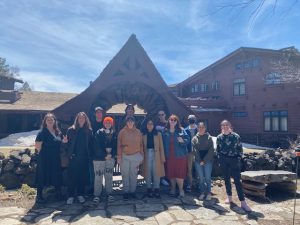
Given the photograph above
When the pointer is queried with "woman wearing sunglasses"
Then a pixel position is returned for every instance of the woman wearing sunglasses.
(175, 141)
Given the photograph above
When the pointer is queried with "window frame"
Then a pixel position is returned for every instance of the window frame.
(273, 116)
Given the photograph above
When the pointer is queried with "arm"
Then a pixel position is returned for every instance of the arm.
(194, 150)
(239, 147)
(39, 141)
(211, 151)
(119, 148)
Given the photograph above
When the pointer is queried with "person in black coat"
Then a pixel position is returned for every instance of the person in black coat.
(80, 140)
(47, 144)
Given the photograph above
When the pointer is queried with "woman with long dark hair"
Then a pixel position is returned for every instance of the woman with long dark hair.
(79, 137)
(47, 144)
(230, 152)
(153, 166)
(175, 141)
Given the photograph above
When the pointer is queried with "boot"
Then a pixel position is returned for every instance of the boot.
(245, 206)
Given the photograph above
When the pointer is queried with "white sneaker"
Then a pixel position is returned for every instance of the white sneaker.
(208, 197)
(70, 201)
(81, 199)
(164, 182)
(201, 197)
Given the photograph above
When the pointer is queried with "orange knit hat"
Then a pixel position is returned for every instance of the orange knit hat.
(108, 119)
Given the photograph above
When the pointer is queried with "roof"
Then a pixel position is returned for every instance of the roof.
(12, 78)
(37, 101)
(241, 49)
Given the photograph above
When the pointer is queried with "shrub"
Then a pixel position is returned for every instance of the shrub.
(27, 190)
(2, 189)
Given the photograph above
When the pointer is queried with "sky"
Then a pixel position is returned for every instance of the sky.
(62, 45)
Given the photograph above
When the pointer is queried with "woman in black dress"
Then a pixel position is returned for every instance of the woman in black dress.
(79, 137)
(47, 144)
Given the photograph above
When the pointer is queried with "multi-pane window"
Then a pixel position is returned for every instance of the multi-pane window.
(273, 79)
(215, 85)
(239, 87)
(195, 88)
(203, 88)
(248, 64)
(239, 114)
(275, 121)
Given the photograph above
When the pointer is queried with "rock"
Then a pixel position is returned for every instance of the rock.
(9, 166)
(25, 161)
(268, 176)
(21, 170)
(2, 155)
(15, 154)
(10, 180)
(29, 179)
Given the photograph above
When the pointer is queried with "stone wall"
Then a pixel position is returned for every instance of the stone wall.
(20, 166)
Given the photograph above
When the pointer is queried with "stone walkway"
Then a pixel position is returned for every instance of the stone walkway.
(167, 210)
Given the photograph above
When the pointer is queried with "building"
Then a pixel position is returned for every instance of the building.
(252, 89)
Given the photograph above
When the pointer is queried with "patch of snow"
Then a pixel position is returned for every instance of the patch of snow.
(23, 139)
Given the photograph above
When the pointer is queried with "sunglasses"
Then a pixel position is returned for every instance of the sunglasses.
(173, 120)
(161, 114)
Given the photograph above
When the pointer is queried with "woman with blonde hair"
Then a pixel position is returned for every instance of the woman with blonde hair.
(230, 152)
(79, 137)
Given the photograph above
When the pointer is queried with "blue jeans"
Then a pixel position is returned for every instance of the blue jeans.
(151, 177)
(204, 173)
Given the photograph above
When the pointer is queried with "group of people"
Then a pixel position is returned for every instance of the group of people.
(161, 148)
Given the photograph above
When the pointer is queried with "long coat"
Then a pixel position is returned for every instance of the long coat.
(159, 155)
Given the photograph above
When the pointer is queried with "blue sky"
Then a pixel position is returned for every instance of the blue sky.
(62, 45)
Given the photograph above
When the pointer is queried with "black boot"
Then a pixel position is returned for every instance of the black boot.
(156, 193)
(149, 193)
(39, 196)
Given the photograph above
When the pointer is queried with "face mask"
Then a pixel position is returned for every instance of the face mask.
(192, 121)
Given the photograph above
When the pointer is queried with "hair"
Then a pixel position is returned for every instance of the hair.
(227, 121)
(108, 119)
(145, 130)
(129, 106)
(201, 123)
(87, 124)
(177, 126)
(55, 126)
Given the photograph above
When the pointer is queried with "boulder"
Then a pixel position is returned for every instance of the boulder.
(268, 176)
(10, 180)
(9, 166)
(25, 161)
(2, 156)
(15, 154)
(29, 179)
(21, 170)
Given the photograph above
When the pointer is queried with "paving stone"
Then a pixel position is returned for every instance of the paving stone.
(88, 220)
(149, 207)
(251, 222)
(164, 218)
(190, 200)
(181, 215)
(144, 222)
(44, 218)
(181, 223)
(10, 221)
(122, 213)
(171, 200)
(5, 211)
(43, 210)
(216, 222)
(173, 207)
(61, 219)
(220, 209)
(146, 214)
(202, 213)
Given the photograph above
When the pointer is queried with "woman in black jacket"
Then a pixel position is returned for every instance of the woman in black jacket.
(79, 137)
(104, 152)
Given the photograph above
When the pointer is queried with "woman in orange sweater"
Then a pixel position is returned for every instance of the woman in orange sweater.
(130, 156)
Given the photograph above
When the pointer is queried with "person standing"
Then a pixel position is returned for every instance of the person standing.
(104, 152)
(153, 166)
(129, 156)
(79, 147)
(203, 149)
(96, 122)
(191, 130)
(229, 152)
(48, 144)
(175, 141)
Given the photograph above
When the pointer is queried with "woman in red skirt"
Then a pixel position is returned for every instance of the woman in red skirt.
(175, 144)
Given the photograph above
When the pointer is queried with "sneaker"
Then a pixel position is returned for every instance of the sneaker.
(245, 206)
(164, 182)
(208, 197)
(228, 200)
(125, 196)
(201, 197)
(70, 201)
(81, 199)
(188, 188)
(96, 200)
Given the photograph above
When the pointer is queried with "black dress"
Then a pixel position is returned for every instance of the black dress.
(49, 170)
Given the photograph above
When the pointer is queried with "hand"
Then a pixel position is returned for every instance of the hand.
(65, 139)
(180, 139)
(108, 157)
(202, 163)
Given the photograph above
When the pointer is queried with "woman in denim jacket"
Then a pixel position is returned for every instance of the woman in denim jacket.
(175, 141)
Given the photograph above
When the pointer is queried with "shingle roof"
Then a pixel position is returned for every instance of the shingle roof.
(37, 101)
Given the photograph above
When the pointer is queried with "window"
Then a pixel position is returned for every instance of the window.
(239, 87)
(215, 85)
(203, 88)
(275, 121)
(239, 114)
(248, 64)
(273, 79)
(195, 88)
